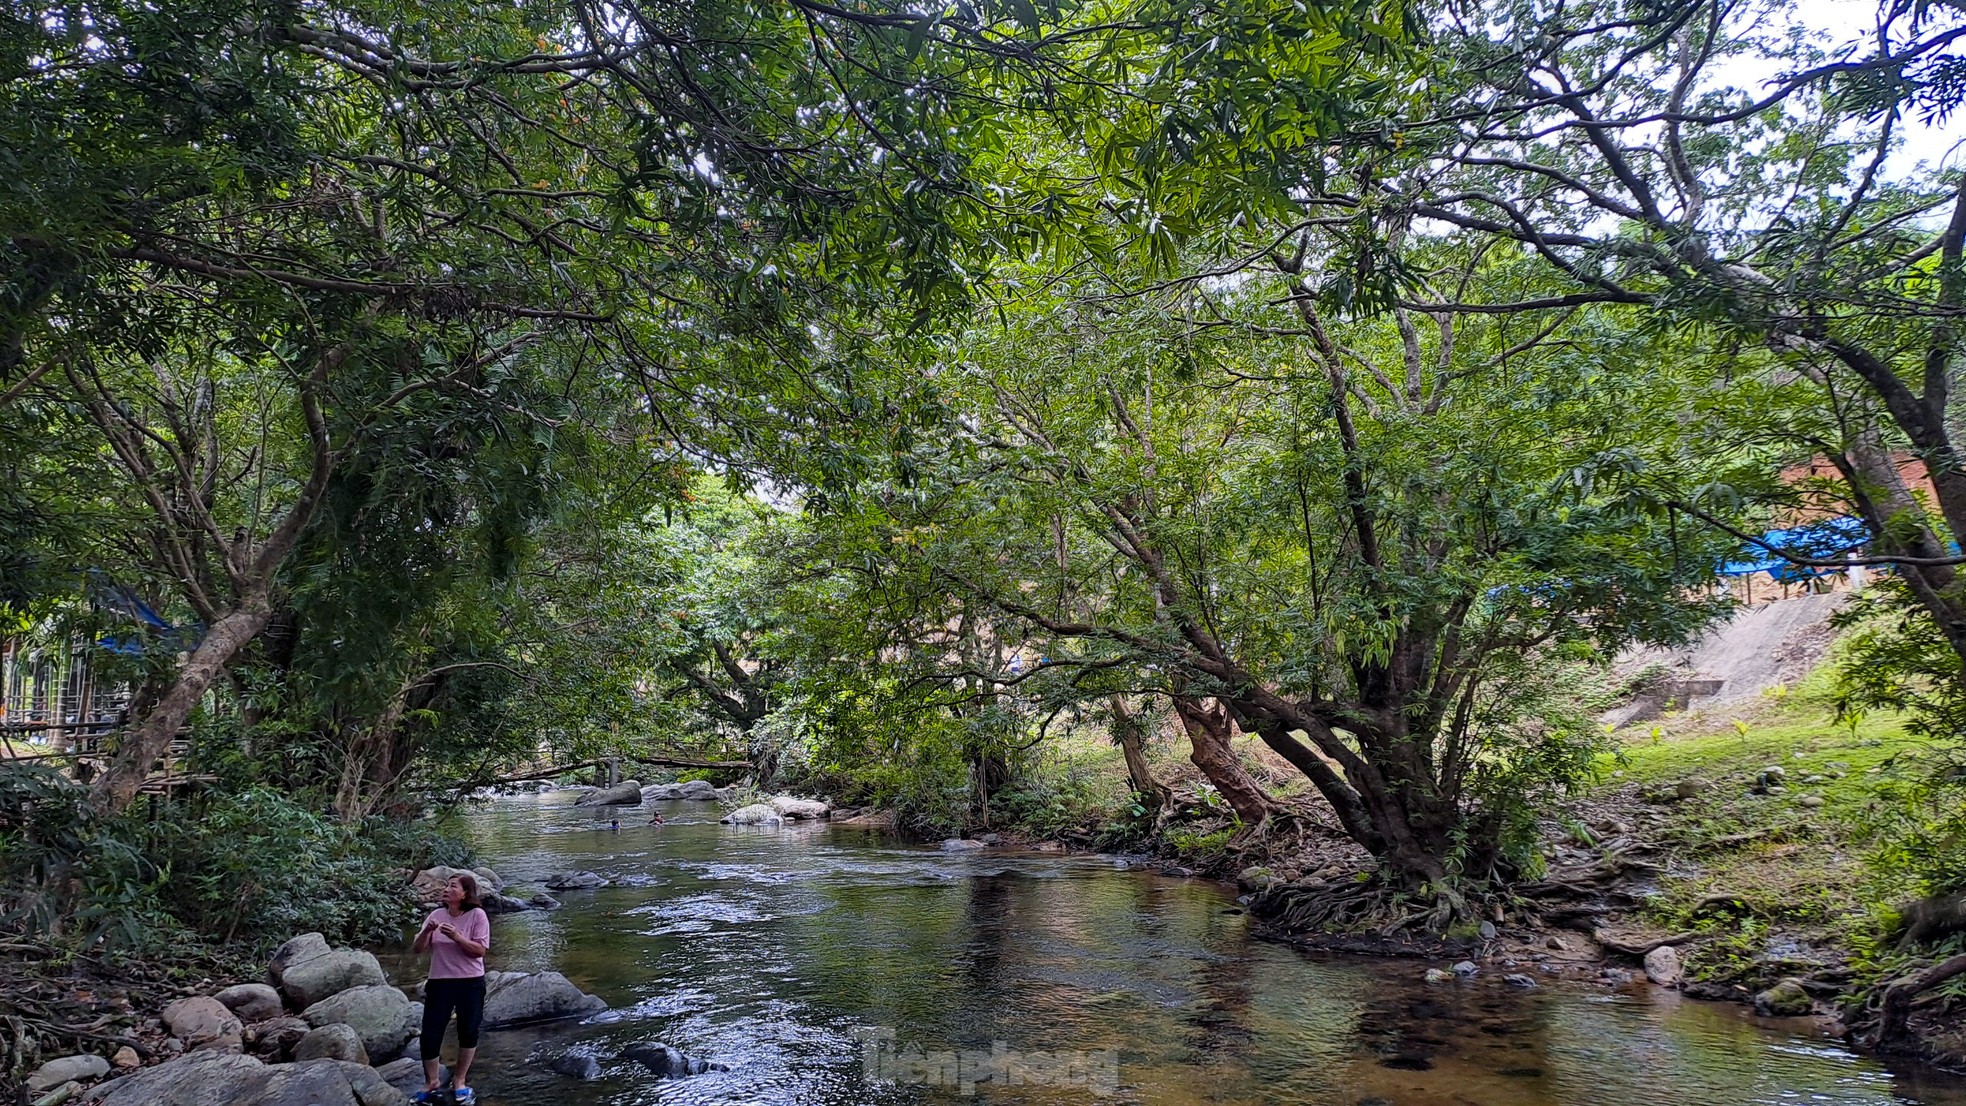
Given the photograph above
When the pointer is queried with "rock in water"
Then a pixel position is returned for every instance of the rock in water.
(1521, 982)
(757, 814)
(700, 791)
(495, 903)
(406, 1074)
(1438, 975)
(1786, 999)
(575, 881)
(578, 1066)
(518, 998)
(335, 1041)
(1466, 969)
(251, 1002)
(625, 793)
(378, 1014)
(961, 845)
(203, 1022)
(662, 1060)
(56, 1072)
(229, 1079)
(798, 809)
(1663, 966)
(662, 792)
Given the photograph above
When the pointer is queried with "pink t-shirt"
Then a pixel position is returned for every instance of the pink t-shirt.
(447, 961)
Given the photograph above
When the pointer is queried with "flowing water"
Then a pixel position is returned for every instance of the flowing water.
(833, 967)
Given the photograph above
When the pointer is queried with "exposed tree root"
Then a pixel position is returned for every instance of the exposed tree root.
(1890, 1006)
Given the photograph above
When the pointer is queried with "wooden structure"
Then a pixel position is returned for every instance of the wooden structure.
(52, 698)
(55, 708)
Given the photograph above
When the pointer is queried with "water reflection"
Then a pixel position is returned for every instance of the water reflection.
(778, 951)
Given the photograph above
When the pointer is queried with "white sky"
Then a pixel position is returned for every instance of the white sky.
(1845, 21)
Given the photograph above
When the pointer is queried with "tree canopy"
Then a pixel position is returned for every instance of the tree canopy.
(859, 390)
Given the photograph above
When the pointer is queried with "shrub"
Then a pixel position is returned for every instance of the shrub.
(253, 866)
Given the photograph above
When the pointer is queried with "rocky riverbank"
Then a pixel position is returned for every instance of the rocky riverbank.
(326, 1027)
(1739, 883)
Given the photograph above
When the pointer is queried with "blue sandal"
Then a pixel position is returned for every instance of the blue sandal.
(464, 1096)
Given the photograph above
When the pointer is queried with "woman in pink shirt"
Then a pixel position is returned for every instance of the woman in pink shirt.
(456, 935)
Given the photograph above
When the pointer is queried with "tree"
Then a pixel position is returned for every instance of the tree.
(242, 242)
(1363, 543)
(1612, 143)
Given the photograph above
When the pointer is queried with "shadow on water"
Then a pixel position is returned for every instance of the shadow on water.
(831, 967)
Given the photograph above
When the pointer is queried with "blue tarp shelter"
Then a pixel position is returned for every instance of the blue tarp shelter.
(1822, 538)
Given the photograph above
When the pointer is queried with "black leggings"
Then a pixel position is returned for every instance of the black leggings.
(440, 997)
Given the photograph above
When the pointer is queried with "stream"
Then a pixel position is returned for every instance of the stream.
(834, 967)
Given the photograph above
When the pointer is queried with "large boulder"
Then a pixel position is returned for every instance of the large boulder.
(251, 1002)
(412, 1030)
(757, 814)
(307, 946)
(625, 793)
(701, 791)
(518, 998)
(306, 981)
(406, 1074)
(662, 792)
(798, 809)
(334, 1041)
(429, 883)
(275, 1038)
(204, 1022)
(226, 1079)
(575, 881)
(379, 1014)
(54, 1073)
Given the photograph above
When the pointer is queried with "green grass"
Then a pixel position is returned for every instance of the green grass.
(1802, 873)
(1793, 728)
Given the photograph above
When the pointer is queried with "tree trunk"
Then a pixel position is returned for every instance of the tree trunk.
(150, 739)
(1209, 730)
(1133, 745)
(1886, 503)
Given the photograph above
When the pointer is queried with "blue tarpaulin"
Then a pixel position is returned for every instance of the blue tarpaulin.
(120, 600)
(1817, 540)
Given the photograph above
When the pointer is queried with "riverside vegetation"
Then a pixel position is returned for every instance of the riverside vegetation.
(917, 405)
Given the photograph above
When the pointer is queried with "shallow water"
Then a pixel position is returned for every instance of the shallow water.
(831, 967)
